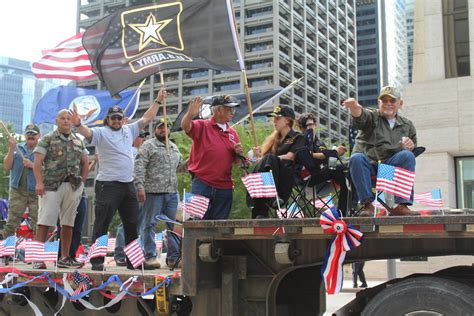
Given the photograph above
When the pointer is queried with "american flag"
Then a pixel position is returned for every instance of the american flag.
(134, 253)
(195, 204)
(260, 185)
(432, 198)
(111, 244)
(395, 180)
(159, 241)
(82, 281)
(8, 246)
(39, 251)
(293, 211)
(352, 138)
(99, 247)
(324, 203)
(68, 60)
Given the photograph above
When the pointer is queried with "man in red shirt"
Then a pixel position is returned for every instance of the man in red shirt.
(214, 150)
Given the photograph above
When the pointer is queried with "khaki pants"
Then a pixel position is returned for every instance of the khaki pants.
(62, 203)
(17, 204)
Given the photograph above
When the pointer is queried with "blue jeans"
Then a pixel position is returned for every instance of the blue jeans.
(361, 170)
(220, 199)
(154, 205)
(119, 252)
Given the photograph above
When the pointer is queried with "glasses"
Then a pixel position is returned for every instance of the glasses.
(116, 117)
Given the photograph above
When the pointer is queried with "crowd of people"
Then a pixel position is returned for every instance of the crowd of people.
(138, 177)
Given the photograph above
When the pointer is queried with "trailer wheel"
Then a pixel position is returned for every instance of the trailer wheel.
(423, 295)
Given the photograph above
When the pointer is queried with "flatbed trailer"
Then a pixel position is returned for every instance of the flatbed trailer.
(273, 267)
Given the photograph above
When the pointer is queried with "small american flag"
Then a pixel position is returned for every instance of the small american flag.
(134, 253)
(111, 244)
(195, 204)
(260, 185)
(324, 203)
(82, 281)
(99, 247)
(432, 198)
(8, 246)
(395, 180)
(159, 241)
(293, 211)
(352, 138)
(39, 251)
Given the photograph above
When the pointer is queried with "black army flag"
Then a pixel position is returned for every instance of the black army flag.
(136, 42)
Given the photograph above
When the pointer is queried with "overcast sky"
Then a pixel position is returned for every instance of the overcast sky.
(28, 26)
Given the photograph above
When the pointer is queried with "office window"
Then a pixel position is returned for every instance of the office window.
(456, 38)
(465, 182)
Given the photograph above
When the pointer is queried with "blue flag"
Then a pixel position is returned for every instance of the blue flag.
(92, 105)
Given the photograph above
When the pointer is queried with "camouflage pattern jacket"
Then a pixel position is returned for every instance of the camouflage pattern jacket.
(155, 171)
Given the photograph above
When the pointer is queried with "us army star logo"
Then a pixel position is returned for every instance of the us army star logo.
(150, 31)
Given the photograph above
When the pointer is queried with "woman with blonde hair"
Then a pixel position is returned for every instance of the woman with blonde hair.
(277, 154)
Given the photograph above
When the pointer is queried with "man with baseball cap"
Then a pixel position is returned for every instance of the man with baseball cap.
(19, 161)
(384, 136)
(215, 148)
(114, 188)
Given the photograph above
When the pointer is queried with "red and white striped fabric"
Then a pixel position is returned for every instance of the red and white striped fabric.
(429, 199)
(111, 244)
(260, 185)
(134, 253)
(68, 60)
(38, 251)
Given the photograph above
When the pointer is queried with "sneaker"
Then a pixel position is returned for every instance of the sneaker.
(97, 267)
(77, 262)
(39, 265)
(364, 285)
(120, 262)
(151, 264)
(355, 286)
(68, 263)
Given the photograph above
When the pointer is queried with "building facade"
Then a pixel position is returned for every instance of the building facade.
(281, 40)
(440, 100)
(381, 47)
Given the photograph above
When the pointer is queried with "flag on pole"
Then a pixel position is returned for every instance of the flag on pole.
(99, 247)
(195, 204)
(160, 36)
(134, 253)
(39, 251)
(8, 246)
(159, 241)
(111, 244)
(293, 211)
(68, 60)
(92, 105)
(324, 203)
(260, 185)
(432, 198)
(395, 180)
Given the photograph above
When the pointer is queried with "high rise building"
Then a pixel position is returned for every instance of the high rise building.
(20, 91)
(281, 40)
(381, 47)
(440, 100)
(409, 9)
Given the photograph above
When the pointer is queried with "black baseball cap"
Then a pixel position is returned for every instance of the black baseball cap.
(283, 110)
(225, 100)
(115, 110)
(32, 128)
(143, 134)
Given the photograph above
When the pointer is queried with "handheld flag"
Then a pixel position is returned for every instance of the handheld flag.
(99, 247)
(260, 185)
(324, 203)
(111, 244)
(92, 105)
(68, 60)
(134, 253)
(432, 198)
(159, 241)
(8, 246)
(347, 238)
(395, 180)
(195, 204)
(39, 251)
(154, 37)
(293, 211)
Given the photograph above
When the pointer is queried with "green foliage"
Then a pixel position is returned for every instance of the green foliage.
(4, 175)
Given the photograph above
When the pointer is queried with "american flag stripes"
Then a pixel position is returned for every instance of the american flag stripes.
(82, 281)
(68, 60)
(324, 203)
(39, 251)
(260, 185)
(99, 247)
(395, 180)
(134, 253)
(293, 211)
(195, 204)
(432, 198)
(111, 244)
(8, 246)
(159, 241)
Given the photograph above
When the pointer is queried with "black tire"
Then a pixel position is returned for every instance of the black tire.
(433, 294)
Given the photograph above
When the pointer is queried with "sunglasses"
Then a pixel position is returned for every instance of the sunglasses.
(116, 117)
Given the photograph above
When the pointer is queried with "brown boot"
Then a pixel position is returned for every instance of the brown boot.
(368, 210)
(403, 210)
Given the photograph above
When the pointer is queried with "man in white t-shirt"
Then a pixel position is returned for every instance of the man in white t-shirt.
(114, 188)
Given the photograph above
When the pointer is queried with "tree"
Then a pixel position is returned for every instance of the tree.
(5, 175)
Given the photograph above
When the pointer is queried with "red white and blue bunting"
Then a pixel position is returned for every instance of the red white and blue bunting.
(347, 238)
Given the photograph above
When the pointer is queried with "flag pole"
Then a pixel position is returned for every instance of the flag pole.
(233, 27)
(14, 252)
(277, 199)
(133, 96)
(8, 134)
(167, 141)
(184, 212)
